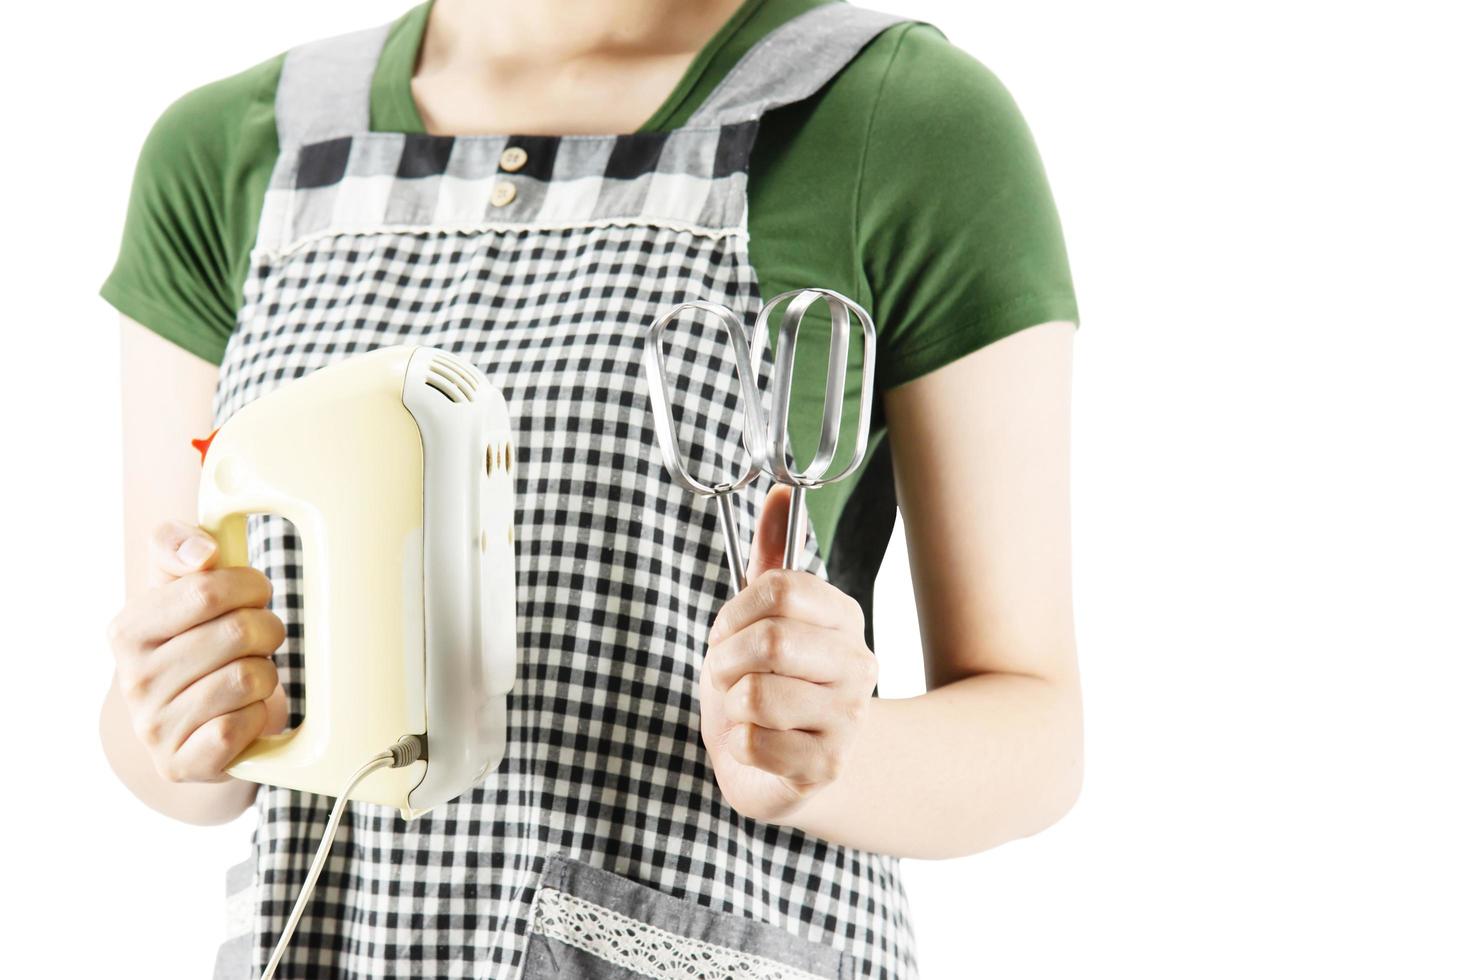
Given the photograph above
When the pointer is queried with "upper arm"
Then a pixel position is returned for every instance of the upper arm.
(191, 217)
(962, 244)
(167, 400)
(981, 451)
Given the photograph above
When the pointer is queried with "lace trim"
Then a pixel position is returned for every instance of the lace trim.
(645, 949)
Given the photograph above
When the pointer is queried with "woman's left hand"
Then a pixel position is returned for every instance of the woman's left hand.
(786, 683)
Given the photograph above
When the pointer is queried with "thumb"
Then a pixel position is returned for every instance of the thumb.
(769, 534)
(178, 549)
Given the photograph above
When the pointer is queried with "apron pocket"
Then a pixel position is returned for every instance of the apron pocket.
(595, 925)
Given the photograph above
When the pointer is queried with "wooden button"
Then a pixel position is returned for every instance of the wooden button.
(513, 158)
(503, 193)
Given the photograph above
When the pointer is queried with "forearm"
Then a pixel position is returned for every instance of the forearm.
(962, 768)
(195, 803)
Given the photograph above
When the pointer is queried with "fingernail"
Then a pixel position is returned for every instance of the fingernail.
(195, 550)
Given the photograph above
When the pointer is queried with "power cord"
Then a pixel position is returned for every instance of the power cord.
(405, 751)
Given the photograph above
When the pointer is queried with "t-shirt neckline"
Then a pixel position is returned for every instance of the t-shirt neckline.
(395, 110)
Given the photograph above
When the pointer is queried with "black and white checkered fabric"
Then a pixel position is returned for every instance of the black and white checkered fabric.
(370, 239)
(688, 178)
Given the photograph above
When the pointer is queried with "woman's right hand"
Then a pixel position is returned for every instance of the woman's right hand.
(193, 656)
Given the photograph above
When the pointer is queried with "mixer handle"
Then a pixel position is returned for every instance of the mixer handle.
(229, 535)
(229, 532)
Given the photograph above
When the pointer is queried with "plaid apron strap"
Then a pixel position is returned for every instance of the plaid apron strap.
(792, 62)
(325, 87)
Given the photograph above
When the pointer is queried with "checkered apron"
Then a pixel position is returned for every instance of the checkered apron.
(603, 832)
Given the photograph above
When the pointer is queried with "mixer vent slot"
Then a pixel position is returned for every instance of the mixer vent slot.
(451, 378)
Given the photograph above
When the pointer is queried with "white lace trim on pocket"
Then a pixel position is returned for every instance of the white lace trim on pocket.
(645, 949)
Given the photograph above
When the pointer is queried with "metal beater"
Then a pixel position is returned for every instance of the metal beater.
(767, 444)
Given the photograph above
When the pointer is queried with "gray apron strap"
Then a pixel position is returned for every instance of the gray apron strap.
(792, 62)
(325, 87)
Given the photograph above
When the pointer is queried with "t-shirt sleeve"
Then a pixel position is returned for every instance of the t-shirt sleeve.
(184, 244)
(959, 232)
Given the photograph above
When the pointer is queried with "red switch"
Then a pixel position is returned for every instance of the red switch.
(202, 445)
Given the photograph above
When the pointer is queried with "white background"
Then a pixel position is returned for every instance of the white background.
(1265, 209)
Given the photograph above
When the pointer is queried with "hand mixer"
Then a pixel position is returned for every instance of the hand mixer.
(767, 443)
(394, 467)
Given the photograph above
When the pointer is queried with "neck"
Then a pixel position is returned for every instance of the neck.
(514, 34)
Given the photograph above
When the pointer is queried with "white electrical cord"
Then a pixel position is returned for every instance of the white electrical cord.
(407, 750)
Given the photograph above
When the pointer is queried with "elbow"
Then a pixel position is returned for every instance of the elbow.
(1039, 806)
(1049, 789)
(1061, 791)
(1060, 798)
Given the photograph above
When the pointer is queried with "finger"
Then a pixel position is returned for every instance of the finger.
(800, 757)
(780, 703)
(778, 646)
(792, 595)
(186, 602)
(176, 549)
(768, 551)
(214, 745)
(220, 692)
(207, 647)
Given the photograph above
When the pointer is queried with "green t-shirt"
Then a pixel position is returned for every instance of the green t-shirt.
(909, 183)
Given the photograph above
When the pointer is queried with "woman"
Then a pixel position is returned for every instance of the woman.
(719, 771)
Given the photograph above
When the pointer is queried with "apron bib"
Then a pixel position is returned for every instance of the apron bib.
(601, 846)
